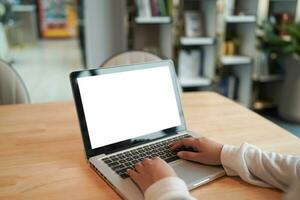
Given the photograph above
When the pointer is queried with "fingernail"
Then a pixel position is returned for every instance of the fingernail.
(179, 154)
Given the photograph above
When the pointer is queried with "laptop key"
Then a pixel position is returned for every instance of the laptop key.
(122, 170)
(107, 161)
(170, 159)
(113, 164)
(114, 158)
(125, 175)
(118, 167)
(127, 164)
(129, 159)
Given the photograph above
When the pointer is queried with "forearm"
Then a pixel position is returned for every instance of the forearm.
(168, 189)
(261, 168)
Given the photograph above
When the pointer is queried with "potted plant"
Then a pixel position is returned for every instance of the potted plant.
(284, 40)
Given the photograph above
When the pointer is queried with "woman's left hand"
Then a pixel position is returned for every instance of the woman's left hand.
(150, 171)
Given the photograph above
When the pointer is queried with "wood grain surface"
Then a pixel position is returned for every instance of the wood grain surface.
(41, 152)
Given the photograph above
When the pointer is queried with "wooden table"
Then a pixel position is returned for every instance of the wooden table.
(42, 153)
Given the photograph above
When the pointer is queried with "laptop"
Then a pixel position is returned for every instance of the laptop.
(128, 113)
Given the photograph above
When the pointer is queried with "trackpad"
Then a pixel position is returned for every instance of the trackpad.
(195, 174)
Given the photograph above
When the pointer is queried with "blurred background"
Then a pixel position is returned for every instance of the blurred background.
(247, 51)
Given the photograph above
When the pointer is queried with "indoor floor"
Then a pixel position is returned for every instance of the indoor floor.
(45, 68)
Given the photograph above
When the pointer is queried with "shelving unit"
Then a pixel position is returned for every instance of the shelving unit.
(165, 36)
(205, 43)
(237, 26)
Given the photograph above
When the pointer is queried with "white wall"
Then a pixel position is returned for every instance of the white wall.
(105, 30)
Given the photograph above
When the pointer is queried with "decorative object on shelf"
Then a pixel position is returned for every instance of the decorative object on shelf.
(143, 8)
(193, 24)
(286, 45)
(229, 86)
(189, 64)
(230, 47)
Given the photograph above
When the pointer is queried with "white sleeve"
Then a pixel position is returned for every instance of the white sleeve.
(261, 168)
(170, 188)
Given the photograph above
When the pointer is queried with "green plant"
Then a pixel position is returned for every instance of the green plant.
(271, 41)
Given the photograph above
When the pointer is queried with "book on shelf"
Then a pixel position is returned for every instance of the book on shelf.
(267, 68)
(229, 7)
(261, 65)
(229, 87)
(154, 8)
(143, 8)
(162, 7)
(189, 64)
(193, 24)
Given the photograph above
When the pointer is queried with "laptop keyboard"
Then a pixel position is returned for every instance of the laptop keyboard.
(126, 160)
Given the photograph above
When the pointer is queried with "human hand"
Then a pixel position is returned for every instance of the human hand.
(207, 151)
(149, 171)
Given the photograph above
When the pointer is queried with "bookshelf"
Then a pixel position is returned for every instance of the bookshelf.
(225, 49)
(165, 36)
(236, 47)
(202, 41)
(150, 26)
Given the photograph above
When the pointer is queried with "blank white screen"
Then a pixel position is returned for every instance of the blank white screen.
(129, 104)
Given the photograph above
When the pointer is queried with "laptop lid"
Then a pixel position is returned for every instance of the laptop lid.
(125, 106)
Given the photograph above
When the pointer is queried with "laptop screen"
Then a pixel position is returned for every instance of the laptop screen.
(124, 105)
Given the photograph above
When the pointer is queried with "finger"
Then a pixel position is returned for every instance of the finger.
(187, 155)
(146, 161)
(192, 142)
(138, 167)
(133, 175)
(171, 144)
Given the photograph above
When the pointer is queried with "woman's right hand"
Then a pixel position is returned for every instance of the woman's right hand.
(207, 151)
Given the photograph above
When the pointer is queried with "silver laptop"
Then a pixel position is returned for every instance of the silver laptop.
(128, 113)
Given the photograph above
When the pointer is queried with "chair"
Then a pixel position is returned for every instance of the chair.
(130, 57)
(12, 88)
